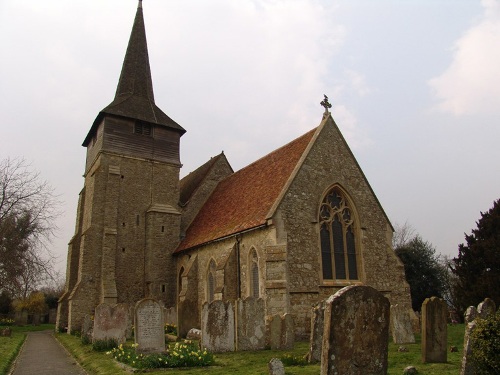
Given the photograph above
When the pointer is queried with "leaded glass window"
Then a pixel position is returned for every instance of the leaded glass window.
(337, 238)
(254, 275)
(211, 281)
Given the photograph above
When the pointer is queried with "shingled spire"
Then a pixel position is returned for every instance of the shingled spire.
(134, 96)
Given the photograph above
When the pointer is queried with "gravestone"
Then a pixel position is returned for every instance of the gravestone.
(110, 322)
(276, 367)
(434, 330)
(149, 329)
(187, 317)
(170, 315)
(250, 324)
(470, 314)
(87, 328)
(401, 327)
(486, 308)
(281, 332)
(217, 327)
(317, 328)
(356, 333)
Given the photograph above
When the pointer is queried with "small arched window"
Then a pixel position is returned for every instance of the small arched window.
(337, 237)
(211, 281)
(179, 282)
(254, 275)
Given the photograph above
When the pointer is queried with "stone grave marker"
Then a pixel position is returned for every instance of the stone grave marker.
(276, 367)
(250, 324)
(470, 314)
(401, 327)
(217, 327)
(149, 329)
(486, 308)
(356, 333)
(317, 328)
(281, 332)
(434, 330)
(110, 322)
(87, 328)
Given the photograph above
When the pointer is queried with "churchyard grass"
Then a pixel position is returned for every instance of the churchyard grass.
(10, 346)
(254, 363)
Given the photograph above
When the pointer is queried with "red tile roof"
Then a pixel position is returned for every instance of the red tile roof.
(243, 200)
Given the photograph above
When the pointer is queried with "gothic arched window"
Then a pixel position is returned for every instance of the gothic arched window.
(211, 281)
(337, 237)
(254, 274)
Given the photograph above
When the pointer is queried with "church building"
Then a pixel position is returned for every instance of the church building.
(291, 228)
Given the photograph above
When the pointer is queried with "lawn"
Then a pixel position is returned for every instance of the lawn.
(253, 363)
(9, 346)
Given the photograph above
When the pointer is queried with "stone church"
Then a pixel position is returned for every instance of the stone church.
(292, 228)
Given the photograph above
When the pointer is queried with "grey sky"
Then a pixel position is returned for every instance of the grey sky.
(415, 87)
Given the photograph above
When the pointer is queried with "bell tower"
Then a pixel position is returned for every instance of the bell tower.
(128, 222)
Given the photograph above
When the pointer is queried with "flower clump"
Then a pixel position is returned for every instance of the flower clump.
(6, 322)
(181, 354)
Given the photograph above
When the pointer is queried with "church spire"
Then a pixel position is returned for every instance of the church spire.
(135, 78)
(134, 96)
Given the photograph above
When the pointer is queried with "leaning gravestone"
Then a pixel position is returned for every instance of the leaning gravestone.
(149, 329)
(401, 327)
(356, 332)
(470, 314)
(434, 330)
(217, 327)
(110, 322)
(317, 328)
(250, 324)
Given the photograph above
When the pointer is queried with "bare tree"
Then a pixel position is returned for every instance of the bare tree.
(28, 209)
(402, 235)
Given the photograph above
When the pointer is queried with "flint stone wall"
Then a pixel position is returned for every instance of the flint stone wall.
(110, 322)
(356, 333)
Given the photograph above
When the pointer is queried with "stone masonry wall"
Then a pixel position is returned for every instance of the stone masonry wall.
(330, 163)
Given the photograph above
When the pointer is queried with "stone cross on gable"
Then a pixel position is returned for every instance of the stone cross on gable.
(325, 103)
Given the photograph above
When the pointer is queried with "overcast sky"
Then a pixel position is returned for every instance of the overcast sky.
(415, 88)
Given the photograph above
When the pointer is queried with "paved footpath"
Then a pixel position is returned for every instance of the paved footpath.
(42, 354)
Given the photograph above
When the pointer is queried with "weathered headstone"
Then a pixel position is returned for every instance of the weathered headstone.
(87, 328)
(486, 308)
(356, 333)
(276, 367)
(410, 370)
(187, 317)
(401, 327)
(250, 324)
(467, 365)
(5, 332)
(110, 322)
(470, 314)
(217, 327)
(434, 331)
(281, 332)
(317, 328)
(149, 329)
(170, 315)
